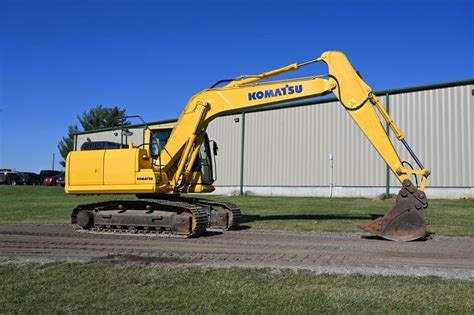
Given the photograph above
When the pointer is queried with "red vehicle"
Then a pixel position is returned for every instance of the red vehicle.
(48, 173)
(51, 181)
(8, 177)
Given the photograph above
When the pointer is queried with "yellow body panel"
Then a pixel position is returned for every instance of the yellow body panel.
(85, 168)
(112, 172)
(119, 167)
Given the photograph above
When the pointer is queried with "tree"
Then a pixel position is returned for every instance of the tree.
(95, 118)
(102, 117)
(66, 144)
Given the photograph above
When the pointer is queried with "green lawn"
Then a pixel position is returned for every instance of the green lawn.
(106, 288)
(134, 288)
(30, 204)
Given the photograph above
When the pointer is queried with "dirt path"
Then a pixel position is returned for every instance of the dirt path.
(319, 252)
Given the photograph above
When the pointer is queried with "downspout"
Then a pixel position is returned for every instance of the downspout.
(242, 145)
(387, 127)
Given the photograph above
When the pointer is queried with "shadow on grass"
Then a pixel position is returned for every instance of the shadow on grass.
(311, 217)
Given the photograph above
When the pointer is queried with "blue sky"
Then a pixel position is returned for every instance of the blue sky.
(60, 58)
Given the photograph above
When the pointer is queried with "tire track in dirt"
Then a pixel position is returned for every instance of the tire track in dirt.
(319, 252)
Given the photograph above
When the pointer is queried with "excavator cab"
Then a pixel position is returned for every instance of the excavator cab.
(202, 170)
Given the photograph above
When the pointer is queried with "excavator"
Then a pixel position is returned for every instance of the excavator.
(172, 162)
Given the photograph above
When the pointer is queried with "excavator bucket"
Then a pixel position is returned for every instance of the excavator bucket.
(405, 221)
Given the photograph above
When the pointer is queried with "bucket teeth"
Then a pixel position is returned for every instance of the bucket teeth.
(405, 221)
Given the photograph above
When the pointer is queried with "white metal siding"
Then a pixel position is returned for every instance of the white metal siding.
(227, 133)
(438, 126)
(291, 147)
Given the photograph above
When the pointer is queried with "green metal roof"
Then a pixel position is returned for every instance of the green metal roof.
(159, 122)
(307, 102)
(314, 101)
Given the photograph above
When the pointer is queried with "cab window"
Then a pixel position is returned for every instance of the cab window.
(158, 140)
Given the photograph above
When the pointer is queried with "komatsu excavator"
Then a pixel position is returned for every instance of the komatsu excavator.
(175, 161)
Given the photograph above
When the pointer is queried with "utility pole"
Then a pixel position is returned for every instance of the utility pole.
(53, 163)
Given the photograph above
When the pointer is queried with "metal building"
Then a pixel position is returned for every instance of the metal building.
(312, 148)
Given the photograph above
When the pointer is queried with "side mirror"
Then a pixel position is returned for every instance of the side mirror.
(215, 148)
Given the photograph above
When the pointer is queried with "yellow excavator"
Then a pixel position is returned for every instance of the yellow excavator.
(175, 161)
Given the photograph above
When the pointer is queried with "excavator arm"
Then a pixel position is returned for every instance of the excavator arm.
(405, 221)
(354, 94)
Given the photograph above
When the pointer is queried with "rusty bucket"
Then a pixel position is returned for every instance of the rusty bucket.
(405, 221)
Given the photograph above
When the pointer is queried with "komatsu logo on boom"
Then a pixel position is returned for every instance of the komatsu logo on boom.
(286, 90)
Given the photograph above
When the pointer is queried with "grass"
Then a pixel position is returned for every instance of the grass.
(39, 204)
(446, 217)
(112, 288)
(106, 288)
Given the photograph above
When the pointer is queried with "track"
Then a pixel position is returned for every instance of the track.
(319, 252)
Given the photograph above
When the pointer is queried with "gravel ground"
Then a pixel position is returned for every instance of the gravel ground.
(320, 252)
